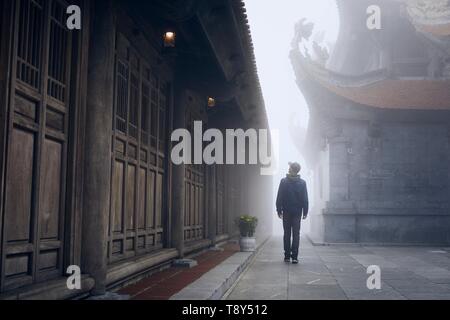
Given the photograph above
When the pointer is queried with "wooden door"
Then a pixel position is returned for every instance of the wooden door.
(194, 209)
(139, 158)
(194, 212)
(37, 143)
(233, 199)
(221, 216)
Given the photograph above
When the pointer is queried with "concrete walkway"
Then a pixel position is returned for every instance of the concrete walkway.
(340, 273)
(215, 283)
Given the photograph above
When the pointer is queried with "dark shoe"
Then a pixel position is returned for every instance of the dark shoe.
(295, 261)
(287, 259)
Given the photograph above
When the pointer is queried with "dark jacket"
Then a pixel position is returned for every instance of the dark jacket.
(293, 196)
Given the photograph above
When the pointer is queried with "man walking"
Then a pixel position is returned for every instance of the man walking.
(292, 205)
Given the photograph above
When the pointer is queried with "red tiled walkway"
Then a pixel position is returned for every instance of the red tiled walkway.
(164, 284)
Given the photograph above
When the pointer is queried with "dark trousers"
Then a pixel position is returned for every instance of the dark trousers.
(291, 225)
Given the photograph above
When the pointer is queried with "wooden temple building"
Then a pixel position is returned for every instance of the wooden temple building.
(378, 140)
(86, 118)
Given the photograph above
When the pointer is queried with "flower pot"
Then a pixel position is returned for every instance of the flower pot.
(247, 244)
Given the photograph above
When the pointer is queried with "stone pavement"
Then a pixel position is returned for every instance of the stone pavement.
(339, 272)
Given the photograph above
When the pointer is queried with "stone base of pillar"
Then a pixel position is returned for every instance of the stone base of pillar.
(184, 263)
(110, 296)
(380, 226)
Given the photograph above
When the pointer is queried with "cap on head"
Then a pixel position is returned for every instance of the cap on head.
(294, 167)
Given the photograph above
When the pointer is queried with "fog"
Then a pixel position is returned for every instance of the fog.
(272, 25)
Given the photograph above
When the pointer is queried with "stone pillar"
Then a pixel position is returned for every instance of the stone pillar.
(261, 203)
(339, 216)
(97, 171)
(212, 204)
(178, 176)
(340, 149)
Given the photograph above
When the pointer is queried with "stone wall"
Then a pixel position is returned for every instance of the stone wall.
(389, 183)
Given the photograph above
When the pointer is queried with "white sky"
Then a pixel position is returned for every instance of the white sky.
(272, 24)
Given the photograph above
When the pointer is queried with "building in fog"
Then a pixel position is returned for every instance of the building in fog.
(85, 123)
(378, 140)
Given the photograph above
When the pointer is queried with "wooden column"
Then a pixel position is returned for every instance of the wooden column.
(99, 115)
(212, 204)
(233, 213)
(226, 200)
(6, 35)
(178, 173)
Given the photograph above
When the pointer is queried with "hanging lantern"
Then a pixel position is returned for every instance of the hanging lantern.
(169, 39)
(211, 102)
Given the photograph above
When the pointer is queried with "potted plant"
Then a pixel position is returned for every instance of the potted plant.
(247, 226)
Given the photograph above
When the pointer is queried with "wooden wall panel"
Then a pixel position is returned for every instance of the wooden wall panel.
(142, 198)
(202, 213)
(17, 265)
(25, 108)
(49, 260)
(131, 193)
(187, 204)
(221, 217)
(51, 188)
(18, 213)
(151, 200)
(118, 181)
(159, 199)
